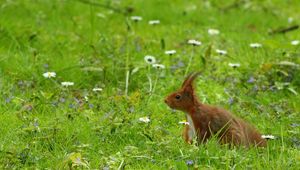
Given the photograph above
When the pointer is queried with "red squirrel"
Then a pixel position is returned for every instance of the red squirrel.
(206, 121)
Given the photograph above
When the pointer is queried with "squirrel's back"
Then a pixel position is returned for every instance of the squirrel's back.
(230, 128)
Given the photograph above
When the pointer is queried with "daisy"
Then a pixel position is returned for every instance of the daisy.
(213, 32)
(234, 65)
(159, 66)
(144, 119)
(268, 137)
(221, 52)
(194, 42)
(154, 22)
(49, 74)
(67, 83)
(149, 59)
(170, 52)
(136, 18)
(295, 42)
(255, 45)
(96, 89)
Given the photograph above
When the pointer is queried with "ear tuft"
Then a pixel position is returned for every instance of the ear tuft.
(186, 79)
(189, 80)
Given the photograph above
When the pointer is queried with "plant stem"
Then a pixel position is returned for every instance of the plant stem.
(127, 82)
(92, 23)
(150, 83)
(190, 62)
(155, 82)
(127, 61)
(154, 85)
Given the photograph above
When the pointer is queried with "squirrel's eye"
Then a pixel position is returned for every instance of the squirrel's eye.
(177, 96)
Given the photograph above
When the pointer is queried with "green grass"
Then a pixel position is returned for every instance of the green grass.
(44, 125)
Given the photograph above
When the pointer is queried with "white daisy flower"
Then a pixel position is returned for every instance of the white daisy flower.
(86, 98)
(184, 122)
(194, 42)
(96, 89)
(159, 66)
(290, 19)
(213, 32)
(268, 137)
(49, 74)
(295, 42)
(221, 52)
(170, 52)
(144, 119)
(154, 22)
(150, 59)
(67, 83)
(136, 18)
(234, 65)
(255, 45)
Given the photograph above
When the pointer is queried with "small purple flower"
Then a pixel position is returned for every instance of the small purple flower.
(230, 100)
(71, 106)
(180, 63)
(8, 100)
(255, 88)
(36, 124)
(189, 162)
(295, 124)
(62, 100)
(251, 80)
(91, 106)
(46, 65)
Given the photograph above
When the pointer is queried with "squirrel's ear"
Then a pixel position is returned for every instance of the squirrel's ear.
(188, 82)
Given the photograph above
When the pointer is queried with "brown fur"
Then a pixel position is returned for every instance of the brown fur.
(209, 120)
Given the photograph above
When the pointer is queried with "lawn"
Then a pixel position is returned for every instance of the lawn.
(114, 115)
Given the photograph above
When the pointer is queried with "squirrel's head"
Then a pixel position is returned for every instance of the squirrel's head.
(185, 98)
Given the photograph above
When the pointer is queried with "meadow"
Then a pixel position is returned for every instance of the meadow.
(80, 88)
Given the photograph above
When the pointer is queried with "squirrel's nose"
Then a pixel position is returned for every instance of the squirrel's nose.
(166, 101)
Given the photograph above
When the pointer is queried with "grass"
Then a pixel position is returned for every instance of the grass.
(44, 125)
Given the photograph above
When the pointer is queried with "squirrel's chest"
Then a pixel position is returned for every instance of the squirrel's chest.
(191, 131)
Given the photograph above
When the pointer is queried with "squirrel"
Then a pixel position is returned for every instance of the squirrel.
(205, 121)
